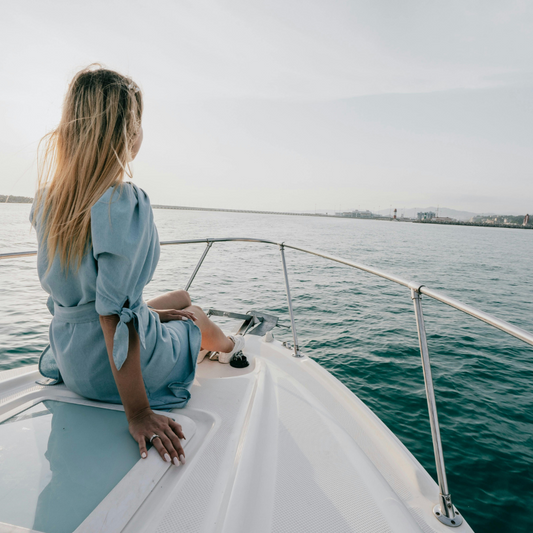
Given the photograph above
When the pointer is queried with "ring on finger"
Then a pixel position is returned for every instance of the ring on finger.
(154, 436)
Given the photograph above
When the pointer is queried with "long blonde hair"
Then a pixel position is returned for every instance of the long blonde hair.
(86, 154)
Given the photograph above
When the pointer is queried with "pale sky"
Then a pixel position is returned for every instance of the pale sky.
(293, 104)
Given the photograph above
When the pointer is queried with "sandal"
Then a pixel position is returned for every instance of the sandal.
(237, 349)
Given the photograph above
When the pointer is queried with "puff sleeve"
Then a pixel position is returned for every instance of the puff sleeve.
(126, 250)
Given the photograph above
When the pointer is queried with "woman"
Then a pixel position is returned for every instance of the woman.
(98, 248)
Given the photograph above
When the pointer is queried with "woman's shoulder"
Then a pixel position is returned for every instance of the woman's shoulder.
(140, 193)
(122, 214)
(123, 210)
(125, 196)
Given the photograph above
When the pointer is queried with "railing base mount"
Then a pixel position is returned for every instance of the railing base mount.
(456, 521)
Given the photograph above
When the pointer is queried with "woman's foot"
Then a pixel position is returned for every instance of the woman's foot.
(238, 345)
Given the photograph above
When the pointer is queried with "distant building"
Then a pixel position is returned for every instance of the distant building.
(444, 219)
(429, 215)
(356, 214)
(526, 220)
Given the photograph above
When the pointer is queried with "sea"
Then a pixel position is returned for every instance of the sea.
(359, 327)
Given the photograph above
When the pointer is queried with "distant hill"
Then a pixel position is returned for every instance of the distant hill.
(443, 212)
(15, 199)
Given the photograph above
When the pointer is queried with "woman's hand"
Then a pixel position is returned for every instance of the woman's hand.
(147, 423)
(143, 422)
(166, 315)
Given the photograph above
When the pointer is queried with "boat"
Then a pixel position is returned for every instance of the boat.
(278, 446)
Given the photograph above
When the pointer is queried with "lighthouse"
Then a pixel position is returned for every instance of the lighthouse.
(395, 211)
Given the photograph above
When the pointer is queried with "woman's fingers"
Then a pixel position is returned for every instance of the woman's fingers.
(174, 314)
(188, 314)
(176, 428)
(171, 450)
(158, 445)
(176, 445)
(142, 447)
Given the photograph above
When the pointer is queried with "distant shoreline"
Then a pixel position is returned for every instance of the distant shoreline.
(187, 208)
(9, 199)
(26, 200)
(479, 224)
(323, 215)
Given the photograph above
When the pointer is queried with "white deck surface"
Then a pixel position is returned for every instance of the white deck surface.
(281, 446)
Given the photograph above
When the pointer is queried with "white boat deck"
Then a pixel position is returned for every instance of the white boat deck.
(280, 446)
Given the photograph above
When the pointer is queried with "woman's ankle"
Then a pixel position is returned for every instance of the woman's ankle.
(231, 345)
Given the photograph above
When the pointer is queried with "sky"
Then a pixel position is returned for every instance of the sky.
(297, 105)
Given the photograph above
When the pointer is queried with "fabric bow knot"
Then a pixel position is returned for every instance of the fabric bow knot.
(121, 338)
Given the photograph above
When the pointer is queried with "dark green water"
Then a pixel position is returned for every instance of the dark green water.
(362, 329)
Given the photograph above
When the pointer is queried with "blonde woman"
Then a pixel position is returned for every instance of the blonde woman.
(98, 248)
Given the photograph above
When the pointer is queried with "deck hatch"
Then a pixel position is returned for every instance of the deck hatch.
(58, 461)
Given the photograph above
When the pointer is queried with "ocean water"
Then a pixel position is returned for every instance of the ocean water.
(360, 328)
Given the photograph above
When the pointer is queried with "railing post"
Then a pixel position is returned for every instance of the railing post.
(444, 511)
(198, 265)
(289, 302)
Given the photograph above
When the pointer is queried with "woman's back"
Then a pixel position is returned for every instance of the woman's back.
(76, 287)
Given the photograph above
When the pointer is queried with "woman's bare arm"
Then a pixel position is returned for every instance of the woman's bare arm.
(143, 422)
(129, 378)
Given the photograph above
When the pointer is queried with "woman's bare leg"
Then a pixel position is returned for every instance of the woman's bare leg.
(213, 338)
(171, 300)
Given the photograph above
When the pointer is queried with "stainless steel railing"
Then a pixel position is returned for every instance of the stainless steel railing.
(444, 510)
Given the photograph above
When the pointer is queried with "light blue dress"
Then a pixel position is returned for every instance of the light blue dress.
(113, 273)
